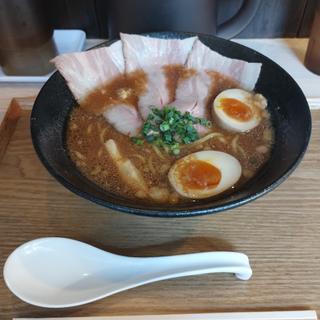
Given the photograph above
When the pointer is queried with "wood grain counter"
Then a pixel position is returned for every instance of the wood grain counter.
(279, 232)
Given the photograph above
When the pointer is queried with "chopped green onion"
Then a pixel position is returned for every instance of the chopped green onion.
(137, 141)
(170, 127)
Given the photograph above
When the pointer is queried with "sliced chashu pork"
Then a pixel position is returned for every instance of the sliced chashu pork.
(153, 55)
(88, 71)
(195, 91)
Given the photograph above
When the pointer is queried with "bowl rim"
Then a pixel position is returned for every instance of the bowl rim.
(176, 213)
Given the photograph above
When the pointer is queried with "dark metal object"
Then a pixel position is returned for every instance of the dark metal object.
(289, 111)
(189, 15)
(26, 44)
(312, 58)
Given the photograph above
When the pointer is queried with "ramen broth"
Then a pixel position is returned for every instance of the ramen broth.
(88, 131)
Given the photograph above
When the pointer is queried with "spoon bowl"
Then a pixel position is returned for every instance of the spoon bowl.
(61, 272)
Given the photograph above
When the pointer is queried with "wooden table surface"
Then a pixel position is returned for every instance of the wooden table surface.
(279, 232)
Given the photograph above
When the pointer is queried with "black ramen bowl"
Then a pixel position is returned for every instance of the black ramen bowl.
(286, 103)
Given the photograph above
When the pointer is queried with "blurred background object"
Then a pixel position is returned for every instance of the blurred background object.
(312, 59)
(26, 26)
(273, 18)
(26, 43)
(176, 15)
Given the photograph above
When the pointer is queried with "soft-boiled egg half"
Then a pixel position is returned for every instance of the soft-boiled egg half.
(238, 110)
(204, 174)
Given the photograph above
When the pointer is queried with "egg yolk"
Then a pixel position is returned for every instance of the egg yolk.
(198, 174)
(236, 109)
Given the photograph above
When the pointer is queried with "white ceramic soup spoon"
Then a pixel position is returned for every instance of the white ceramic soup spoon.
(60, 272)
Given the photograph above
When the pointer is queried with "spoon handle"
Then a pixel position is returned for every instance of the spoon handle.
(197, 263)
